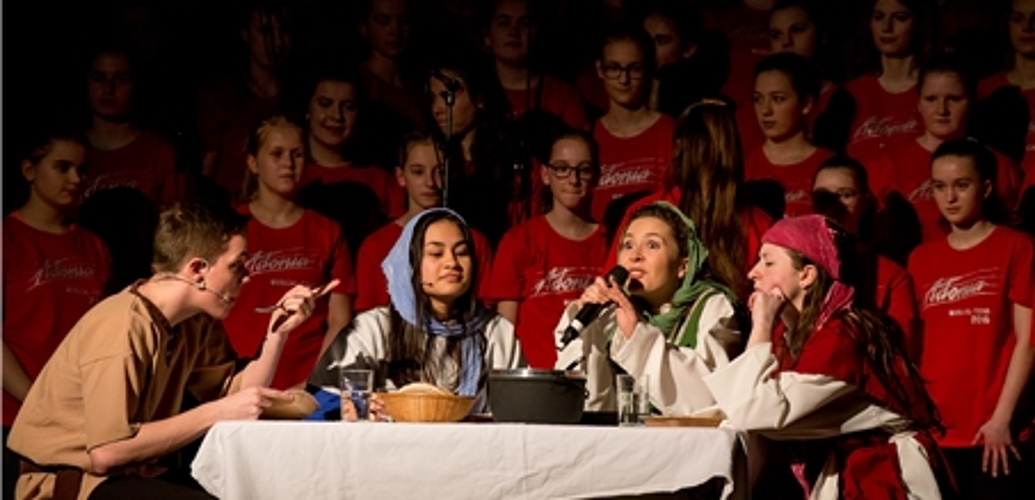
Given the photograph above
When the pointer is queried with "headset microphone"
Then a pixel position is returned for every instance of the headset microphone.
(200, 285)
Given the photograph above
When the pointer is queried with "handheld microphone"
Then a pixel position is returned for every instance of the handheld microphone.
(452, 84)
(589, 312)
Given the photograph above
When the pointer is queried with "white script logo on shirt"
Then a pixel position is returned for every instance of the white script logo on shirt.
(638, 171)
(883, 127)
(959, 288)
(923, 192)
(562, 280)
(281, 260)
(61, 269)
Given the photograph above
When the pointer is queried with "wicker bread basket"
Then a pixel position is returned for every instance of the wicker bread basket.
(426, 407)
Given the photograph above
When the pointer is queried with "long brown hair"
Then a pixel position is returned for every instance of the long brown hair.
(411, 354)
(707, 166)
(878, 338)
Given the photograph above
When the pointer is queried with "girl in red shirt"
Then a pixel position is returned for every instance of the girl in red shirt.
(688, 67)
(635, 141)
(509, 38)
(53, 271)
(287, 246)
(121, 154)
(947, 97)
(420, 174)
(1022, 76)
(387, 25)
(480, 152)
(337, 153)
(786, 88)
(230, 106)
(841, 191)
(974, 288)
(797, 26)
(885, 100)
(546, 262)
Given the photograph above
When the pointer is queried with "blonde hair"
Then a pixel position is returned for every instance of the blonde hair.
(256, 140)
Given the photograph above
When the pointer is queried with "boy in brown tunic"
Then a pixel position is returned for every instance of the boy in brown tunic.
(107, 405)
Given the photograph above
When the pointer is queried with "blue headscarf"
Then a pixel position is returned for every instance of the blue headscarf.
(399, 273)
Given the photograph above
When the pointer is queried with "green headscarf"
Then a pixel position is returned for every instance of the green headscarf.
(692, 287)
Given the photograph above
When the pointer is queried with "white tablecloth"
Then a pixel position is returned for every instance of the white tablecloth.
(334, 460)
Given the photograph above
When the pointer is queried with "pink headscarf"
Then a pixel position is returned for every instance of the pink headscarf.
(811, 236)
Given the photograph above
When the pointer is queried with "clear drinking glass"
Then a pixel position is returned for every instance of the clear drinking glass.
(356, 387)
(633, 399)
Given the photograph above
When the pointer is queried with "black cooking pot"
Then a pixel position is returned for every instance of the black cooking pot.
(537, 396)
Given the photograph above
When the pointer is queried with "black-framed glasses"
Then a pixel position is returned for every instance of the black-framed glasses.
(585, 171)
(613, 71)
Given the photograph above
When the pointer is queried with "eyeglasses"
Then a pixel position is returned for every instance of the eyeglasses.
(614, 71)
(585, 171)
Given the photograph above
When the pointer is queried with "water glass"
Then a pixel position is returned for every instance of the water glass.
(356, 387)
(633, 399)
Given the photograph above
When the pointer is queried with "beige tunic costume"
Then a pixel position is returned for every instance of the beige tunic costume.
(676, 373)
(121, 366)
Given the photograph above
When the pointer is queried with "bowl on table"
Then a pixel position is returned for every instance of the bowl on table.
(425, 403)
(526, 395)
(301, 405)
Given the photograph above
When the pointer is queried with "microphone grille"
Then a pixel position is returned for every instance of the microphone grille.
(619, 273)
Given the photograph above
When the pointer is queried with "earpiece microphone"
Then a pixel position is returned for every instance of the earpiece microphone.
(200, 285)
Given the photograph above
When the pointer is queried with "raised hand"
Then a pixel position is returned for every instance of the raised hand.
(296, 305)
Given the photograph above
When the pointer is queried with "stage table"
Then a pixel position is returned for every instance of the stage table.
(335, 460)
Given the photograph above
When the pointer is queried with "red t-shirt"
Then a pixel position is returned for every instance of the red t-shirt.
(544, 271)
(589, 85)
(227, 114)
(880, 116)
(147, 163)
(406, 101)
(558, 97)
(821, 103)
(631, 164)
(796, 179)
(310, 252)
(997, 81)
(50, 281)
(966, 302)
(384, 185)
(897, 298)
(372, 290)
(905, 167)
